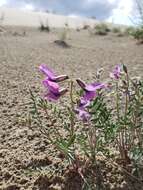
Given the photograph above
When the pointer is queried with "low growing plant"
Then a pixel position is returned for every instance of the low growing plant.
(130, 31)
(138, 35)
(86, 27)
(101, 29)
(96, 118)
(63, 37)
(116, 30)
(44, 28)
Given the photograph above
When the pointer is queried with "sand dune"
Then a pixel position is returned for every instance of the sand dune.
(30, 18)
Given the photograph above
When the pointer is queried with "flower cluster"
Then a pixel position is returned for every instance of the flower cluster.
(90, 91)
(113, 112)
(116, 72)
(53, 90)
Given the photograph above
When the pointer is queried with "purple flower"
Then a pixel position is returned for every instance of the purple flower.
(116, 72)
(83, 115)
(90, 89)
(84, 103)
(81, 109)
(51, 75)
(53, 92)
(89, 94)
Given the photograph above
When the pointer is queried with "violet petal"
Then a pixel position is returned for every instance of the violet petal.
(95, 86)
(89, 96)
(83, 115)
(51, 96)
(52, 86)
(116, 72)
(60, 78)
(81, 83)
(46, 71)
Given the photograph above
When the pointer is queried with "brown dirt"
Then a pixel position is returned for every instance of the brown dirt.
(26, 159)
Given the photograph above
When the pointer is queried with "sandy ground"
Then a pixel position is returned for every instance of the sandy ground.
(23, 154)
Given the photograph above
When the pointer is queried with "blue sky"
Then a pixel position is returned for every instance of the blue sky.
(117, 11)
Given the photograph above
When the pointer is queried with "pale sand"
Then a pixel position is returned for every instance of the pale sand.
(25, 154)
(15, 17)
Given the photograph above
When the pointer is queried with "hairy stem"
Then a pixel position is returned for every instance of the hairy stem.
(72, 119)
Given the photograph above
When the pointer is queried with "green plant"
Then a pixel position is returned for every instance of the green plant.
(101, 29)
(98, 116)
(129, 30)
(2, 17)
(44, 28)
(63, 37)
(138, 34)
(86, 27)
(116, 30)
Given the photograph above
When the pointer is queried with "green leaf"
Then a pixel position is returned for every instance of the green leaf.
(71, 140)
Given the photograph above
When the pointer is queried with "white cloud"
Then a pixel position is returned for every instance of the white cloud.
(28, 7)
(120, 10)
(2, 2)
(112, 1)
(73, 16)
(122, 13)
(90, 1)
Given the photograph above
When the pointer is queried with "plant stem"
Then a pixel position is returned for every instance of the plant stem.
(117, 101)
(72, 109)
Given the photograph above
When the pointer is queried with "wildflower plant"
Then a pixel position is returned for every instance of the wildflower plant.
(98, 118)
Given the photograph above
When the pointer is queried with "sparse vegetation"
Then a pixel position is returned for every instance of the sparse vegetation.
(64, 33)
(2, 17)
(44, 28)
(138, 35)
(116, 30)
(63, 37)
(21, 34)
(91, 127)
(91, 136)
(129, 30)
(102, 29)
(86, 27)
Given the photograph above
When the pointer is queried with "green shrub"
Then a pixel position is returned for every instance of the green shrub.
(44, 28)
(102, 29)
(129, 31)
(138, 34)
(86, 26)
(116, 30)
